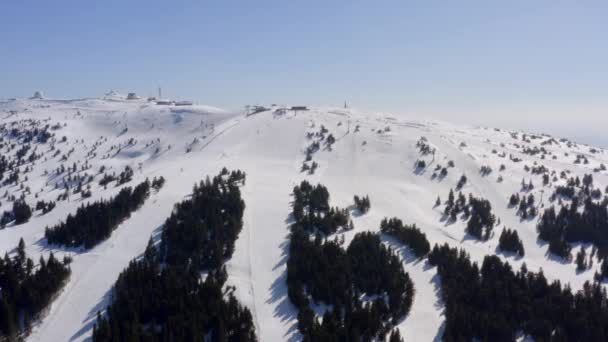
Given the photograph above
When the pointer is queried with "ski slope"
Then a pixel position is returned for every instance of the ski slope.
(374, 154)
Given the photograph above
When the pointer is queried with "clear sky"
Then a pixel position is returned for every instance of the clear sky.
(541, 65)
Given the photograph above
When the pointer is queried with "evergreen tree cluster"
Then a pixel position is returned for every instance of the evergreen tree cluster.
(509, 241)
(514, 200)
(526, 205)
(20, 213)
(362, 204)
(485, 170)
(455, 206)
(481, 221)
(581, 260)
(478, 211)
(365, 285)
(420, 164)
(410, 236)
(602, 274)
(461, 182)
(539, 170)
(157, 183)
(161, 297)
(202, 230)
(424, 147)
(125, 176)
(95, 221)
(572, 225)
(494, 303)
(312, 212)
(27, 289)
(45, 206)
(525, 187)
(574, 188)
(321, 271)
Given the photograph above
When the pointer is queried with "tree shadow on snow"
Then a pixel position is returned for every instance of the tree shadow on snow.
(283, 308)
(406, 254)
(410, 258)
(471, 238)
(45, 246)
(542, 243)
(419, 170)
(354, 211)
(507, 254)
(439, 303)
(91, 318)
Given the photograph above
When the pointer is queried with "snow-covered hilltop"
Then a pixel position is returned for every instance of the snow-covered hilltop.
(402, 165)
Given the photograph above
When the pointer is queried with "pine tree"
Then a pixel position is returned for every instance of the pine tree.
(21, 251)
(451, 199)
(581, 263)
(395, 336)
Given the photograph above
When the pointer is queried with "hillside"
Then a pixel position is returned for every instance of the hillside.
(373, 154)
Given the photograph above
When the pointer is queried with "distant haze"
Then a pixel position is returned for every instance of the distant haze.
(532, 65)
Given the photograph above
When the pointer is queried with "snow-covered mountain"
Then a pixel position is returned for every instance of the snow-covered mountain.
(373, 154)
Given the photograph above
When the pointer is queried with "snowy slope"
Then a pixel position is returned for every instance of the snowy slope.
(374, 154)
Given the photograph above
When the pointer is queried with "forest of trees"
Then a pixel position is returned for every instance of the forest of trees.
(312, 211)
(203, 229)
(94, 222)
(20, 213)
(602, 274)
(509, 241)
(410, 236)
(477, 212)
(362, 203)
(320, 270)
(161, 297)
(498, 303)
(26, 289)
(482, 220)
(570, 225)
(526, 206)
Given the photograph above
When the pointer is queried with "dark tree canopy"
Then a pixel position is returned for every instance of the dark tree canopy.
(322, 271)
(27, 290)
(312, 212)
(95, 221)
(202, 229)
(409, 235)
(509, 241)
(161, 297)
(497, 302)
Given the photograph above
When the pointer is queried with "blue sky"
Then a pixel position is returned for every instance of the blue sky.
(541, 65)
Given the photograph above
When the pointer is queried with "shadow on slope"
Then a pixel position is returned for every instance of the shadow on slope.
(283, 308)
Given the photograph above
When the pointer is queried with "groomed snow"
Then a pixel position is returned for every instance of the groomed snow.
(196, 141)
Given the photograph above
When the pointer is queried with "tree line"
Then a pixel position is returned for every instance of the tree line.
(312, 212)
(94, 222)
(410, 236)
(477, 212)
(27, 289)
(202, 231)
(509, 241)
(362, 203)
(365, 284)
(20, 213)
(162, 296)
(497, 303)
(571, 225)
